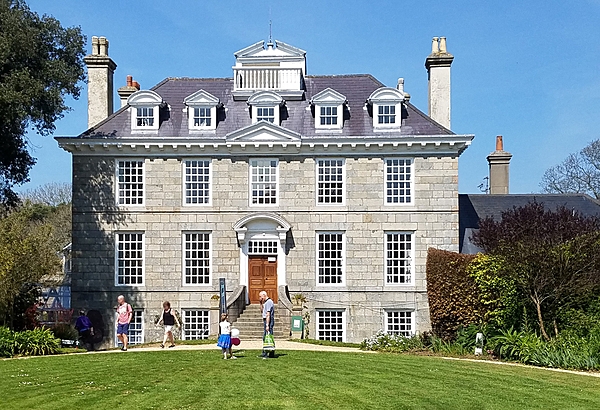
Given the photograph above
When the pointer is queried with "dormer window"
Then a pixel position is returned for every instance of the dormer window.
(329, 109)
(386, 103)
(145, 110)
(145, 117)
(202, 111)
(265, 106)
(265, 114)
(386, 114)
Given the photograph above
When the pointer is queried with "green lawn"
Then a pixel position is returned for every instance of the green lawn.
(295, 380)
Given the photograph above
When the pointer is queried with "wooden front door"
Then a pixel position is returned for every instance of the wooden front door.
(263, 276)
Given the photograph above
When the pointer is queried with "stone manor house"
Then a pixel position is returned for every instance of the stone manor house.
(333, 186)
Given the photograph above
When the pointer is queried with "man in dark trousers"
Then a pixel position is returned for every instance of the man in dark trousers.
(86, 330)
(268, 315)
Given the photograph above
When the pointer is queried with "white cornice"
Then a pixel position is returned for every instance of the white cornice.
(424, 146)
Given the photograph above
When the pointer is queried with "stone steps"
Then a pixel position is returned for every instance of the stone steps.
(250, 324)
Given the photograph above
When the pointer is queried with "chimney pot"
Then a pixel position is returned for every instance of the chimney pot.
(443, 45)
(136, 85)
(435, 46)
(129, 81)
(95, 46)
(499, 143)
(400, 85)
(103, 46)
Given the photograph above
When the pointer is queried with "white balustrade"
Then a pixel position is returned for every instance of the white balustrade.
(267, 78)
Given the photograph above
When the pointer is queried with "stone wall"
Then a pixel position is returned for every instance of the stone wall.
(364, 218)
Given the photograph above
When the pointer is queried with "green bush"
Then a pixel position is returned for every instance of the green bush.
(7, 342)
(36, 342)
(65, 331)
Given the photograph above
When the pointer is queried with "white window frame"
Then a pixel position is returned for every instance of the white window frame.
(263, 117)
(250, 197)
(116, 238)
(184, 319)
(317, 166)
(343, 259)
(155, 116)
(137, 319)
(410, 181)
(117, 182)
(411, 258)
(344, 327)
(184, 182)
(386, 324)
(184, 258)
(339, 116)
(212, 117)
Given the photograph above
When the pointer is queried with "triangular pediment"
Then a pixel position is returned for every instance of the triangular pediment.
(280, 49)
(263, 131)
(201, 97)
(328, 96)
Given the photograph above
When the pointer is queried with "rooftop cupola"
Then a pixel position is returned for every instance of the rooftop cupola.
(273, 66)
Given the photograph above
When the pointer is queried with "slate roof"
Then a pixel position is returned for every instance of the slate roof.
(473, 207)
(295, 116)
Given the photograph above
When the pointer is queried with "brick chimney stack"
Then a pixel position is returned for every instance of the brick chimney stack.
(126, 91)
(438, 71)
(499, 162)
(101, 69)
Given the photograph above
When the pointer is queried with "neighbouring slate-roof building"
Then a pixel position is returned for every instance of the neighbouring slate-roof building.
(474, 207)
(331, 186)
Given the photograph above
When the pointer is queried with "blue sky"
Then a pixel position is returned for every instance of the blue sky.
(527, 70)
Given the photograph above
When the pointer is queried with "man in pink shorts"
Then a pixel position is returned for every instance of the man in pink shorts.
(124, 315)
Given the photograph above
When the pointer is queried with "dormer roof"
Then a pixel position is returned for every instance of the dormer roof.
(386, 94)
(201, 97)
(144, 98)
(328, 96)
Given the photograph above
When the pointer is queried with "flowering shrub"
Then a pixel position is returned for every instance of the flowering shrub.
(385, 342)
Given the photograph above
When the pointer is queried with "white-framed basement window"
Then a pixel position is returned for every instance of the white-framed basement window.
(197, 182)
(398, 181)
(400, 322)
(129, 258)
(399, 258)
(196, 324)
(130, 182)
(331, 258)
(331, 174)
(331, 325)
(135, 335)
(264, 181)
(196, 258)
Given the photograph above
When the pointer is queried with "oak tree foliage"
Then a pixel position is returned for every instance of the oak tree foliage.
(41, 64)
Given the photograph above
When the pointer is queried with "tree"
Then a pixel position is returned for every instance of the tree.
(41, 63)
(578, 173)
(27, 254)
(51, 194)
(553, 256)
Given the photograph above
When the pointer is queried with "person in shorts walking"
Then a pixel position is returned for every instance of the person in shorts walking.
(169, 319)
(124, 315)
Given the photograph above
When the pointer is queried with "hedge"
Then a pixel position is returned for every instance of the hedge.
(453, 296)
